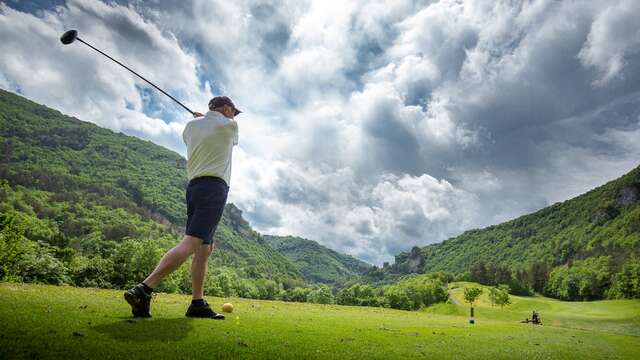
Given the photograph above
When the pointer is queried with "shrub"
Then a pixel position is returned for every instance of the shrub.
(499, 295)
(415, 292)
(360, 295)
(297, 294)
(320, 294)
(178, 281)
(133, 260)
(223, 282)
(267, 289)
(24, 260)
(91, 272)
(626, 283)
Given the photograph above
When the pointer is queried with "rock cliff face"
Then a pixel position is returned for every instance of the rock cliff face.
(628, 195)
(233, 218)
(408, 263)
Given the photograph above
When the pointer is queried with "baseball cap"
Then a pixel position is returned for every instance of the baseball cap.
(220, 101)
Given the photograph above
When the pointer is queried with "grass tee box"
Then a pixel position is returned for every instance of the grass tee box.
(44, 322)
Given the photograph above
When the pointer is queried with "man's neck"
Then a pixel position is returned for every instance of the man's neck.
(216, 112)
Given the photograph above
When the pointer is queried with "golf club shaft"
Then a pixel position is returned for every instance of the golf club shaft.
(135, 73)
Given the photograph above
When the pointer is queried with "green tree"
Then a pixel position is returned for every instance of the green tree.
(471, 294)
(416, 292)
(398, 297)
(626, 283)
(223, 282)
(91, 272)
(583, 280)
(24, 260)
(133, 260)
(297, 294)
(320, 294)
(361, 295)
(267, 289)
(499, 296)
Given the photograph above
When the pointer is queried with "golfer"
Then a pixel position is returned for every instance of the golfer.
(210, 139)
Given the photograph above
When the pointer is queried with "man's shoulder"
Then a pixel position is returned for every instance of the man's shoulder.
(193, 122)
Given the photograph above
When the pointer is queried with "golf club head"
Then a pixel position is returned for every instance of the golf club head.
(69, 37)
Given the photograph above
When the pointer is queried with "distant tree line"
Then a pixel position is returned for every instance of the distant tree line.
(411, 293)
(520, 282)
(582, 280)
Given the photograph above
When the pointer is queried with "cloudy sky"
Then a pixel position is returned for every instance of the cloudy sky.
(369, 126)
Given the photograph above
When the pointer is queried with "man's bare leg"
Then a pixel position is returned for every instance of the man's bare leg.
(199, 270)
(173, 259)
(199, 307)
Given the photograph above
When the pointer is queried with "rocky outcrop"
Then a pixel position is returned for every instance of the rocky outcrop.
(233, 218)
(627, 195)
(411, 262)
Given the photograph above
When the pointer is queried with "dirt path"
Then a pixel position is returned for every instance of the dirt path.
(453, 299)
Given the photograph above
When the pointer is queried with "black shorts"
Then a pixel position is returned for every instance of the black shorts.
(206, 197)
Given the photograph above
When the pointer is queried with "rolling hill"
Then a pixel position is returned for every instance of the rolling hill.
(571, 250)
(604, 221)
(317, 263)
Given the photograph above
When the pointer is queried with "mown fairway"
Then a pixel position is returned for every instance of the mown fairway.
(65, 322)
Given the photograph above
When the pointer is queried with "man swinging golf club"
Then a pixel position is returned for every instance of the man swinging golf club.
(210, 142)
(210, 139)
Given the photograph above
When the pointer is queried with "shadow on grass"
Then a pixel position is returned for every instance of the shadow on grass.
(147, 329)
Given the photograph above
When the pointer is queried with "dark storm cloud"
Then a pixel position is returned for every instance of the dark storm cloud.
(364, 228)
(529, 80)
(130, 31)
(275, 31)
(521, 111)
(294, 189)
(264, 217)
(392, 146)
(411, 224)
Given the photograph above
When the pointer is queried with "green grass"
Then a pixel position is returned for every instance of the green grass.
(611, 316)
(39, 321)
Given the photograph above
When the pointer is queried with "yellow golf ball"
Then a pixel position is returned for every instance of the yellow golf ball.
(227, 307)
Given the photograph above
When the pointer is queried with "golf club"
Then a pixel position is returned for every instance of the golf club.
(72, 35)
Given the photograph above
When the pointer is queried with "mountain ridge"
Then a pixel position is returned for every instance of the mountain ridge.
(602, 222)
(318, 263)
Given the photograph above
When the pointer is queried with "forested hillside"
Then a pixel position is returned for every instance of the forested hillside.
(584, 248)
(86, 206)
(317, 263)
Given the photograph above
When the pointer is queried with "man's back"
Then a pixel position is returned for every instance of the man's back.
(210, 142)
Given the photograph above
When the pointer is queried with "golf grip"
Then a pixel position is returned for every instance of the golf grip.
(138, 75)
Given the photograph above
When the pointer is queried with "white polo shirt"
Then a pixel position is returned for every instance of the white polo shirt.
(210, 140)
